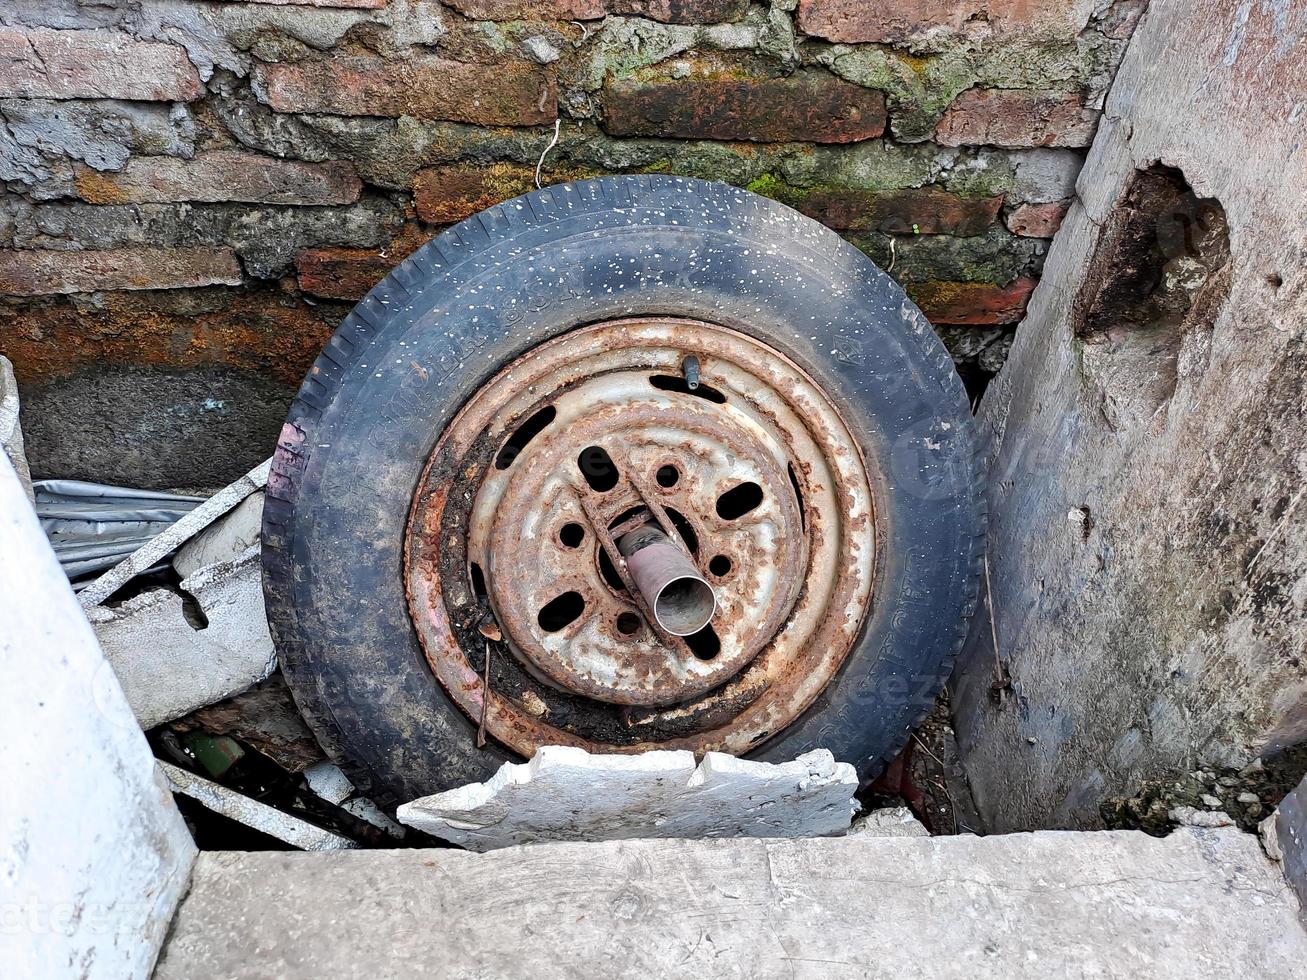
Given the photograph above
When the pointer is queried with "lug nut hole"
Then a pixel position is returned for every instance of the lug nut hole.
(628, 623)
(598, 468)
(719, 565)
(738, 501)
(667, 476)
(705, 644)
(571, 535)
(561, 611)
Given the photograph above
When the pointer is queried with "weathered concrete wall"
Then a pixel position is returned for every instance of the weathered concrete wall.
(196, 191)
(1148, 542)
(94, 856)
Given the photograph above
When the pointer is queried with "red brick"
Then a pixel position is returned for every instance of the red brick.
(976, 303)
(341, 273)
(348, 273)
(224, 175)
(40, 272)
(507, 94)
(44, 64)
(444, 195)
(924, 210)
(807, 107)
(1016, 118)
(1037, 220)
(667, 11)
(896, 21)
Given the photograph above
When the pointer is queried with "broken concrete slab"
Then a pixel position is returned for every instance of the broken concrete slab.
(897, 821)
(168, 665)
(328, 781)
(11, 432)
(1200, 903)
(565, 793)
(261, 817)
(369, 812)
(226, 538)
(179, 533)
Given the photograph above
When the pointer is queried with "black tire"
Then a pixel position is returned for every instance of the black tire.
(364, 424)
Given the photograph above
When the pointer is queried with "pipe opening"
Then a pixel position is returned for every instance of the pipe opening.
(685, 605)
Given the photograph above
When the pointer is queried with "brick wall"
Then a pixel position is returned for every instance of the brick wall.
(196, 191)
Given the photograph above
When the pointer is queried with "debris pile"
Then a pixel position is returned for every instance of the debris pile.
(171, 585)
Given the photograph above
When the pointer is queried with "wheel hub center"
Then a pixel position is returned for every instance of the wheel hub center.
(617, 454)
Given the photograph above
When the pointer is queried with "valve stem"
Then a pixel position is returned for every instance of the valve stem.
(690, 368)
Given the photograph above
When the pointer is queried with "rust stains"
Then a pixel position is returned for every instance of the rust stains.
(514, 538)
(259, 329)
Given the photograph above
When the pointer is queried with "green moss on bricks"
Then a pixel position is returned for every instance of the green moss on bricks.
(919, 87)
(918, 63)
(875, 165)
(997, 257)
(769, 185)
(981, 173)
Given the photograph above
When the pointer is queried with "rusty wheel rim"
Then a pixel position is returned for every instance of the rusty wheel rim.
(753, 471)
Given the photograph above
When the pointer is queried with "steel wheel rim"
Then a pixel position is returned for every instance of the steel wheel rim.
(487, 530)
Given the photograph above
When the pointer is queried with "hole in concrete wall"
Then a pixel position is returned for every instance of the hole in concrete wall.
(1155, 285)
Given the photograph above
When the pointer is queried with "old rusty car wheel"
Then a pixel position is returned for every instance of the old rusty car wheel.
(626, 464)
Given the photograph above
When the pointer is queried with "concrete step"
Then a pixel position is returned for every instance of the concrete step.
(1200, 903)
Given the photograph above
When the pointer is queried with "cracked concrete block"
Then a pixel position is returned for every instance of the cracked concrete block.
(897, 821)
(565, 793)
(1199, 903)
(224, 540)
(94, 856)
(169, 666)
